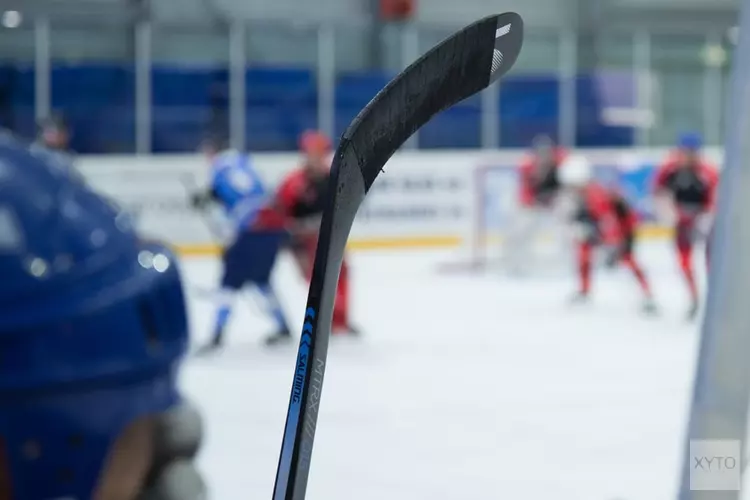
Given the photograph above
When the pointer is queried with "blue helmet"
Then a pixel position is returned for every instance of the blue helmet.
(690, 141)
(92, 328)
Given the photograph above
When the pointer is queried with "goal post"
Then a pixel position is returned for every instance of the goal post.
(494, 220)
(721, 390)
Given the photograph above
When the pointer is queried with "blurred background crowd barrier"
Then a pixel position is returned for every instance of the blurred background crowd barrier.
(136, 76)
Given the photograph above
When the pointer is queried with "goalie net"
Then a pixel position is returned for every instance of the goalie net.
(507, 237)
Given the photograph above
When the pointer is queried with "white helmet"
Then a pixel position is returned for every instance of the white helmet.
(575, 171)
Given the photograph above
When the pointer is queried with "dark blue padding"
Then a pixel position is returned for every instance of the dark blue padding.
(457, 127)
(191, 101)
(99, 103)
(529, 106)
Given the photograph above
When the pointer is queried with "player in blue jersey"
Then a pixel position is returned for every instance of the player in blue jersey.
(93, 330)
(258, 235)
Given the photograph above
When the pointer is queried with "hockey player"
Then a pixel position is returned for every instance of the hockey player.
(539, 183)
(684, 191)
(258, 233)
(53, 142)
(302, 196)
(538, 189)
(54, 133)
(93, 330)
(54, 138)
(601, 217)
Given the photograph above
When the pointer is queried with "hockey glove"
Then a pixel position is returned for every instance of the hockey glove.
(174, 475)
(613, 256)
(199, 200)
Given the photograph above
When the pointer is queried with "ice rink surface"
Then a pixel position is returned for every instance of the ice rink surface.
(463, 387)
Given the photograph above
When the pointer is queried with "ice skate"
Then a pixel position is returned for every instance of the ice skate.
(346, 331)
(281, 337)
(612, 258)
(579, 298)
(693, 311)
(211, 347)
(649, 307)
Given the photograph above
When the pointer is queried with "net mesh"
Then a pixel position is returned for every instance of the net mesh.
(505, 236)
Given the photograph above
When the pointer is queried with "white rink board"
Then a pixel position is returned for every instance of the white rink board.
(422, 199)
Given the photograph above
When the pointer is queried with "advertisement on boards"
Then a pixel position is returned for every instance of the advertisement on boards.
(417, 200)
(636, 184)
(157, 197)
(422, 199)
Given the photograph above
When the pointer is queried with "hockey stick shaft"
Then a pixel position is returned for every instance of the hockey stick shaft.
(458, 68)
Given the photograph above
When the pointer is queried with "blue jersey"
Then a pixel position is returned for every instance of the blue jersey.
(238, 188)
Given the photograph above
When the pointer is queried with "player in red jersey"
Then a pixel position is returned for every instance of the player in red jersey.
(538, 189)
(685, 189)
(302, 196)
(539, 183)
(601, 217)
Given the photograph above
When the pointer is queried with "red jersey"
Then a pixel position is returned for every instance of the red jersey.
(301, 195)
(627, 218)
(269, 218)
(539, 188)
(608, 212)
(692, 188)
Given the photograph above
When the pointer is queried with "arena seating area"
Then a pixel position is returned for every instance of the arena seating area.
(99, 101)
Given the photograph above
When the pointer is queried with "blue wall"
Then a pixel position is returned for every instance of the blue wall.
(99, 101)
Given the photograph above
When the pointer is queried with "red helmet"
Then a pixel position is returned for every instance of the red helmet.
(313, 141)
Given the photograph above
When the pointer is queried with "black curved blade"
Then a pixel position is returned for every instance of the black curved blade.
(457, 68)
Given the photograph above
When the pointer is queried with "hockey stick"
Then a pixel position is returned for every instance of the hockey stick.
(189, 186)
(457, 68)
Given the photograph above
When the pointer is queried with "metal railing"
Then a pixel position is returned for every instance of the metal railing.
(678, 79)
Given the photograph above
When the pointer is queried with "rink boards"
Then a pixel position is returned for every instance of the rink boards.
(424, 199)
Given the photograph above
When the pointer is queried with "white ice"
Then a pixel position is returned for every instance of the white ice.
(463, 387)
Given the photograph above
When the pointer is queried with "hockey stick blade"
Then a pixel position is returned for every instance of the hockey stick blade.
(457, 68)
